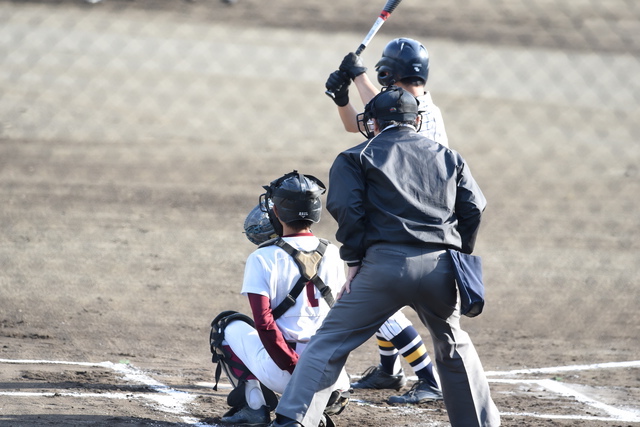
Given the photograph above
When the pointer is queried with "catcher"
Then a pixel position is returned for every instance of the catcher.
(291, 282)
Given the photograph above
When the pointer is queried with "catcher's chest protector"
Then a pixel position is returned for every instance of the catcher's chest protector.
(308, 263)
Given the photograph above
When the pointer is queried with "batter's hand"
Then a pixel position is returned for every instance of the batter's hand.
(338, 83)
(352, 65)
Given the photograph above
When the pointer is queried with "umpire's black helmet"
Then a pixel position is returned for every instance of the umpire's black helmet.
(392, 104)
(403, 58)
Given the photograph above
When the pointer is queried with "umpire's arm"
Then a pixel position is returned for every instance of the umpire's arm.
(345, 203)
(470, 203)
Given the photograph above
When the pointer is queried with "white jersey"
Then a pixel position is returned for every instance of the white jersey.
(271, 272)
(432, 122)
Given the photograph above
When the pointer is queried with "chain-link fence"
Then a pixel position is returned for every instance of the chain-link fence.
(542, 97)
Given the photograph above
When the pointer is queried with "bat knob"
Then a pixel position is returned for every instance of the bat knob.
(330, 94)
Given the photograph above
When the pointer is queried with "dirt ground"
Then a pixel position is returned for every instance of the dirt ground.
(116, 253)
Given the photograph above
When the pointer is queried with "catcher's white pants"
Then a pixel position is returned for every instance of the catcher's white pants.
(246, 344)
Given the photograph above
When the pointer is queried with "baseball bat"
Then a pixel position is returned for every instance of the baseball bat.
(386, 11)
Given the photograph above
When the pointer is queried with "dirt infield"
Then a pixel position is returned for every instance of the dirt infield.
(117, 249)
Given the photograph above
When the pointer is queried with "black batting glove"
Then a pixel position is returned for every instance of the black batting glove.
(338, 83)
(352, 65)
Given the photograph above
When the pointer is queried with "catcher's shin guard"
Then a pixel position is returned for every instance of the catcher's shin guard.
(236, 371)
(233, 367)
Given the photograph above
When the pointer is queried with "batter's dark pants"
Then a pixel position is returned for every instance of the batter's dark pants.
(391, 277)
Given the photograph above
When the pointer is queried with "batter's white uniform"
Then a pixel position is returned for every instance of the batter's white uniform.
(432, 121)
(271, 272)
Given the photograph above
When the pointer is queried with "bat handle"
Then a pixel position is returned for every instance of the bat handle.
(361, 48)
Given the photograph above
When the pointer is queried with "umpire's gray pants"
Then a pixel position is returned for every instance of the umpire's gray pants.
(391, 277)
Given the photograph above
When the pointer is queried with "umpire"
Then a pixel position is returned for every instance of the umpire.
(400, 200)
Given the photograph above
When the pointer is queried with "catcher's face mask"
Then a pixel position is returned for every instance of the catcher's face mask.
(257, 226)
(266, 205)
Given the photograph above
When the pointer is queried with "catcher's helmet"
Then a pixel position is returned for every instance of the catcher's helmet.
(295, 196)
(392, 104)
(257, 226)
(403, 58)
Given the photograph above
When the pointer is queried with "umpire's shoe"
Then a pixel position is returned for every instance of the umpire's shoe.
(420, 392)
(375, 377)
(247, 416)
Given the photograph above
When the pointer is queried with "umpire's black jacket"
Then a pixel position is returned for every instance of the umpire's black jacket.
(401, 187)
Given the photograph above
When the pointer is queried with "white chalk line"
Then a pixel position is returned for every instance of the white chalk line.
(616, 414)
(174, 401)
(167, 399)
(560, 369)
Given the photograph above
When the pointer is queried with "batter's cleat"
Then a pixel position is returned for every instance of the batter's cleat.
(376, 378)
(247, 417)
(420, 392)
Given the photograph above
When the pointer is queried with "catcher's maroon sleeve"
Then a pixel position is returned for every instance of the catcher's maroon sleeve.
(270, 335)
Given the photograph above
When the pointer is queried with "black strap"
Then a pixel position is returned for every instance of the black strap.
(290, 300)
(228, 364)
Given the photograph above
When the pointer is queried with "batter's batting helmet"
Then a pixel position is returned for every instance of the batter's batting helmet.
(401, 59)
(295, 196)
(257, 226)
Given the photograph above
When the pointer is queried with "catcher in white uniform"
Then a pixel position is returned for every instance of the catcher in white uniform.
(404, 63)
(291, 281)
